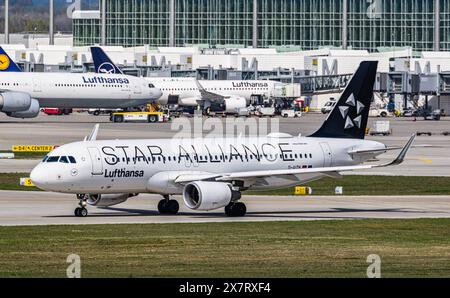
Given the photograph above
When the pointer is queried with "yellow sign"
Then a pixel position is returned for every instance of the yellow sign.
(4, 62)
(26, 182)
(302, 191)
(32, 148)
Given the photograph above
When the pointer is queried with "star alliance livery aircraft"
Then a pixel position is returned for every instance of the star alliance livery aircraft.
(211, 173)
(22, 94)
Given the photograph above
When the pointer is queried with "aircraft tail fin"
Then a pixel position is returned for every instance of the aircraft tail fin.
(102, 63)
(6, 63)
(349, 117)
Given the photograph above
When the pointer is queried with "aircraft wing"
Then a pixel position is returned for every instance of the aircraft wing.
(210, 96)
(93, 135)
(365, 151)
(328, 171)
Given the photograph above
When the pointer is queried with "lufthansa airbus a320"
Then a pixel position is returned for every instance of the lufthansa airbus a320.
(212, 173)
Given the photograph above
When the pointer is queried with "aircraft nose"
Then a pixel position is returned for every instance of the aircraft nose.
(39, 177)
(156, 93)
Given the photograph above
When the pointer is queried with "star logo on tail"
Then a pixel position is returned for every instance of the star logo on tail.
(352, 103)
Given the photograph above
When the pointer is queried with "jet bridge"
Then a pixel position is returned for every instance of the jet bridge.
(316, 84)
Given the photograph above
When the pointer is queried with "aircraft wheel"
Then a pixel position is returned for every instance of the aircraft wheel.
(152, 119)
(173, 206)
(167, 207)
(81, 212)
(236, 209)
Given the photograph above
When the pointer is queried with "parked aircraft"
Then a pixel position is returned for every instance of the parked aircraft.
(22, 94)
(226, 95)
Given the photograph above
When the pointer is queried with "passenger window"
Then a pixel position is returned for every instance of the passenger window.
(45, 159)
(53, 159)
(151, 86)
(63, 159)
(72, 159)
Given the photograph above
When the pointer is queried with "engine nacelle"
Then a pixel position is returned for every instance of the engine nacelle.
(233, 103)
(204, 195)
(14, 102)
(188, 101)
(106, 200)
(32, 112)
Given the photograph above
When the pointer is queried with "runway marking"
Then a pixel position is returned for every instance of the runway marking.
(423, 159)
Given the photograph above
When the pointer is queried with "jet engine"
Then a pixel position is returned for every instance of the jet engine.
(32, 112)
(106, 200)
(189, 101)
(204, 195)
(14, 102)
(233, 103)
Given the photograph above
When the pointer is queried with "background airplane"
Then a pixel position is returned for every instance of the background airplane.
(22, 94)
(211, 173)
(227, 95)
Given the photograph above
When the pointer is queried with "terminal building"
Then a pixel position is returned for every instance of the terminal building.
(423, 25)
(315, 43)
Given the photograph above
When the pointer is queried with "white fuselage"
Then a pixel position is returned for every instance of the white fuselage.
(126, 166)
(86, 90)
(188, 92)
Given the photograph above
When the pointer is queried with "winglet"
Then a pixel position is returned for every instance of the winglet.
(401, 157)
(93, 135)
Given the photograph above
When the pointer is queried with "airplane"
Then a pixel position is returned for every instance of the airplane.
(22, 94)
(211, 173)
(226, 95)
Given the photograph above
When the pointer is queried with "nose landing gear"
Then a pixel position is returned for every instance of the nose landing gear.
(167, 206)
(81, 211)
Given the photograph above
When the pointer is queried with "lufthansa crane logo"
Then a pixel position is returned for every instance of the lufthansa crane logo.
(106, 68)
(4, 62)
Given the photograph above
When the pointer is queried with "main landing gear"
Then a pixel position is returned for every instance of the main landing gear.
(237, 209)
(167, 206)
(81, 211)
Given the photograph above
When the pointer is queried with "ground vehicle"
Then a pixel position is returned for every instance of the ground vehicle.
(151, 117)
(432, 115)
(428, 114)
(380, 128)
(328, 107)
(97, 112)
(378, 112)
(244, 112)
(265, 111)
(56, 111)
(291, 113)
(410, 112)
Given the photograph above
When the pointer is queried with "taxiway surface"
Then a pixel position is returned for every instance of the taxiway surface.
(42, 208)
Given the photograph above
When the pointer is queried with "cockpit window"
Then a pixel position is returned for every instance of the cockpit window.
(53, 159)
(63, 159)
(151, 86)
